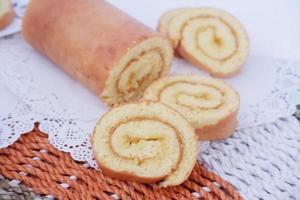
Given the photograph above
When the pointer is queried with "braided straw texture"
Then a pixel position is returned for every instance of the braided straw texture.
(47, 170)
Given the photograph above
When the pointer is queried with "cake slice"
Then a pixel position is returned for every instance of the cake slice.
(210, 105)
(209, 38)
(147, 142)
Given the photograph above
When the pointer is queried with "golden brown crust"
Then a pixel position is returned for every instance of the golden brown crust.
(81, 38)
(7, 18)
(223, 129)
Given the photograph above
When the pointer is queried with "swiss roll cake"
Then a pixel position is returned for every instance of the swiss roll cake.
(147, 142)
(209, 38)
(209, 104)
(110, 52)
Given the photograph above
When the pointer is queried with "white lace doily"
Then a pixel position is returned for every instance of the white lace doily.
(33, 89)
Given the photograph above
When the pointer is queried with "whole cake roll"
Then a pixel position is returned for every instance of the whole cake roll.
(209, 104)
(209, 38)
(111, 53)
(147, 142)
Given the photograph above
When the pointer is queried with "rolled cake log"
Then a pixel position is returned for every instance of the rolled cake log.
(111, 53)
(209, 38)
(146, 142)
(6, 13)
(209, 104)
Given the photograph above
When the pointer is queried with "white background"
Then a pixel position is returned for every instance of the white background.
(273, 26)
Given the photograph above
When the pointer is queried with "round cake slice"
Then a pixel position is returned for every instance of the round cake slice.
(147, 142)
(209, 38)
(6, 13)
(209, 104)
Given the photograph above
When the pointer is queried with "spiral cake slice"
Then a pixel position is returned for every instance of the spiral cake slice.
(209, 104)
(209, 38)
(147, 142)
(136, 70)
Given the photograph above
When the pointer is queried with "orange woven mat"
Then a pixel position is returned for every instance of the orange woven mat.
(47, 170)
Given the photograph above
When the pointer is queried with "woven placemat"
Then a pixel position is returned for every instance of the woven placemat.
(48, 171)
